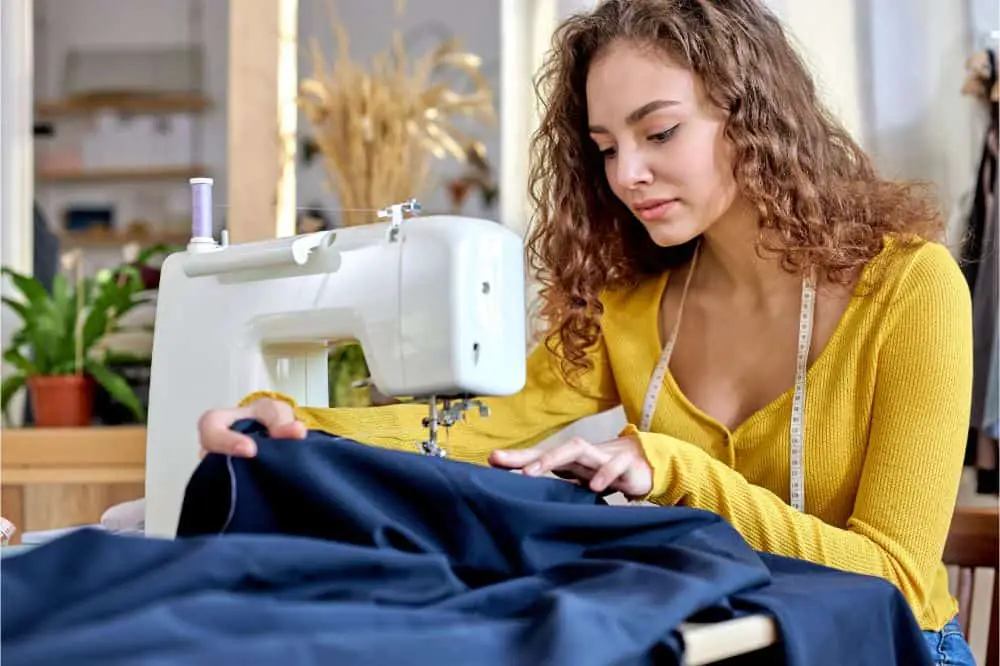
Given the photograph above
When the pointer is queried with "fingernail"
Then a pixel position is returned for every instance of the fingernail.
(246, 449)
(532, 469)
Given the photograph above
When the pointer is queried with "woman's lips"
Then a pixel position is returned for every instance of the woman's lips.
(654, 209)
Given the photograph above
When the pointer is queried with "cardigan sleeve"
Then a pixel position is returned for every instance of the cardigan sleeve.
(909, 482)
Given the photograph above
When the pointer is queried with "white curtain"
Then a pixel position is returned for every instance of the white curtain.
(16, 152)
(826, 32)
(921, 125)
(525, 32)
(893, 71)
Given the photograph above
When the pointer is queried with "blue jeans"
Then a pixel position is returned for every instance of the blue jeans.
(948, 647)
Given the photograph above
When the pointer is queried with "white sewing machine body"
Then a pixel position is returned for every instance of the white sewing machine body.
(437, 304)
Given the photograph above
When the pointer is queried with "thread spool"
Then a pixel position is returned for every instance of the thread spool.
(201, 208)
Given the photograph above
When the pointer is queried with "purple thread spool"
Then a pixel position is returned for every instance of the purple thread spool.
(201, 208)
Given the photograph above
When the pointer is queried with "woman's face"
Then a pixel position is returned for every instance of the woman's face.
(665, 154)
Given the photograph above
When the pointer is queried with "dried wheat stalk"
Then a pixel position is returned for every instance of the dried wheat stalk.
(378, 130)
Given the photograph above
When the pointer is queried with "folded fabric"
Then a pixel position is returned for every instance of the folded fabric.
(326, 551)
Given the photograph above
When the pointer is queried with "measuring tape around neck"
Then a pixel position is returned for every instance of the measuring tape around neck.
(797, 491)
(660, 371)
(798, 422)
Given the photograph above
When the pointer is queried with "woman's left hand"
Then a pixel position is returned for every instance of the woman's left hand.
(618, 465)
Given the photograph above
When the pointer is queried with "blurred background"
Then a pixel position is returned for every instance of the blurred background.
(110, 106)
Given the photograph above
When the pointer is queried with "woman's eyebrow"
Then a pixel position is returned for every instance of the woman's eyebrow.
(637, 115)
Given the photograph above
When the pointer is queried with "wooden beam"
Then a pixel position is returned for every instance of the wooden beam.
(120, 174)
(73, 455)
(262, 119)
(125, 105)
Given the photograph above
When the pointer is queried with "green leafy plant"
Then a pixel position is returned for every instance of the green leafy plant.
(346, 366)
(61, 332)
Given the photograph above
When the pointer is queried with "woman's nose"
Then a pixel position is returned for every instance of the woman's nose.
(632, 170)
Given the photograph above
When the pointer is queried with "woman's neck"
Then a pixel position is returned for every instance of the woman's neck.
(729, 262)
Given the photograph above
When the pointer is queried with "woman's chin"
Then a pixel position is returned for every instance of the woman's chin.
(671, 234)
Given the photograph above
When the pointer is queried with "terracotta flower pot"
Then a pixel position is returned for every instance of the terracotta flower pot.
(62, 401)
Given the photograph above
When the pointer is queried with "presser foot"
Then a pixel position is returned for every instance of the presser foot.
(432, 449)
(449, 414)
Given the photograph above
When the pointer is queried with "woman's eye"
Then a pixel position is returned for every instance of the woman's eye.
(608, 152)
(660, 137)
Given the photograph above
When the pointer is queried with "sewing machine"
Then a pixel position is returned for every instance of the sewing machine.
(436, 302)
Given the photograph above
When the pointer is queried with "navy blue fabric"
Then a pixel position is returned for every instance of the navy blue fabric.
(339, 553)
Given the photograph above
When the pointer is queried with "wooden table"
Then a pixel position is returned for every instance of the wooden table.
(60, 477)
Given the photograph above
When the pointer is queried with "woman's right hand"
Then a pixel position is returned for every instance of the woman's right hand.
(275, 415)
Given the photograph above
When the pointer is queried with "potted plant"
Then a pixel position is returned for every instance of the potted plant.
(129, 350)
(148, 262)
(56, 353)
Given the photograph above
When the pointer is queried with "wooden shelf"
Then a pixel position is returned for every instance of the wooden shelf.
(73, 455)
(79, 239)
(120, 174)
(125, 104)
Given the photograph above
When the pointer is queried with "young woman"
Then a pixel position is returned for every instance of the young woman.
(791, 346)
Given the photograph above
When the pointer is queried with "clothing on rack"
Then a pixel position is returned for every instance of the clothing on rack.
(979, 264)
(981, 70)
(984, 289)
(991, 418)
(327, 551)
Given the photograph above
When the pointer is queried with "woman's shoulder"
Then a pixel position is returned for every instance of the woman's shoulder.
(918, 274)
(906, 265)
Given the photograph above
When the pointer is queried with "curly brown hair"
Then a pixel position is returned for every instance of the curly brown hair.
(822, 206)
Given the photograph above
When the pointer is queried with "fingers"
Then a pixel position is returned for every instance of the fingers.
(275, 415)
(278, 417)
(576, 451)
(515, 458)
(293, 430)
(216, 437)
(617, 465)
(538, 460)
(612, 471)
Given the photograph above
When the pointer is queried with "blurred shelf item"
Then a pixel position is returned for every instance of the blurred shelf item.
(122, 104)
(73, 455)
(134, 69)
(120, 174)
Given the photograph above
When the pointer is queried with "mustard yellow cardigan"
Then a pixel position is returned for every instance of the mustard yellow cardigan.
(887, 414)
